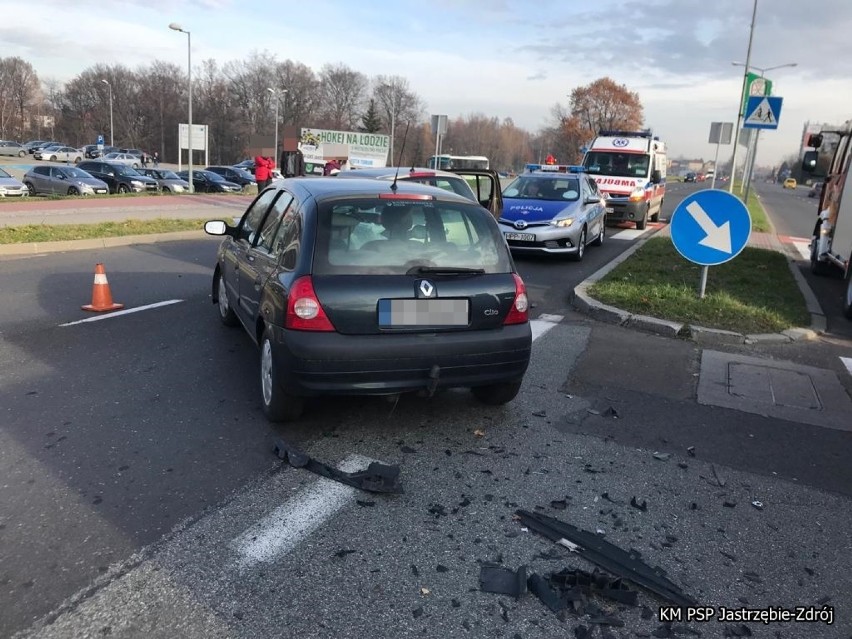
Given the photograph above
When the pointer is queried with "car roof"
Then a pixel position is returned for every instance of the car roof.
(404, 172)
(324, 187)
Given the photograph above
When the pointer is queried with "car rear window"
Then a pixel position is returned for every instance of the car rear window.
(372, 236)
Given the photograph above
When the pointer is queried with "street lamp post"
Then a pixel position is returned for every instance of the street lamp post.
(277, 104)
(111, 138)
(748, 169)
(176, 27)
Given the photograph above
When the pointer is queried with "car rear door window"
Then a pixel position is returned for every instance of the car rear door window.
(272, 223)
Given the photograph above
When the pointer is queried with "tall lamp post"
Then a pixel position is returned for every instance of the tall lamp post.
(111, 138)
(277, 104)
(176, 27)
(750, 158)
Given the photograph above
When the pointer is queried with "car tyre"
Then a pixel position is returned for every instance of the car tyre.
(599, 240)
(72, 190)
(134, 165)
(226, 313)
(278, 406)
(78, 160)
(581, 246)
(641, 224)
(122, 188)
(22, 154)
(166, 189)
(496, 394)
(53, 158)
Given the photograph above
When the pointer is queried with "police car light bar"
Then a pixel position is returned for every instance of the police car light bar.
(554, 168)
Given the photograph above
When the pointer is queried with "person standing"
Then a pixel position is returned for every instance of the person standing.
(261, 172)
(156, 159)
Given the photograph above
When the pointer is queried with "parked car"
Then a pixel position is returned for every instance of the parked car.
(248, 166)
(123, 158)
(479, 185)
(137, 152)
(33, 145)
(63, 180)
(59, 153)
(13, 149)
(10, 187)
(169, 181)
(120, 178)
(209, 182)
(549, 212)
(690, 177)
(789, 183)
(235, 175)
(815, 190)
(361, 287)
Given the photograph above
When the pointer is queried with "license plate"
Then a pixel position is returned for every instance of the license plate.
(609, 209)
(522, 237)
(444, 312)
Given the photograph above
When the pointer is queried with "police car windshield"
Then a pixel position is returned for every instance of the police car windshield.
(614, 163)
(531, 187)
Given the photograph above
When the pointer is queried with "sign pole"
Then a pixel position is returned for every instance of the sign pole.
(740, 99)
(702, 286)
(716, 162)
(751, 168)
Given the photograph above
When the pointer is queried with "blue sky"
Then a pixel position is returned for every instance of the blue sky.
(503, 58)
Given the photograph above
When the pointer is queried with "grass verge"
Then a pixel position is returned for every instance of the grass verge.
(753, 293)
(64, 232)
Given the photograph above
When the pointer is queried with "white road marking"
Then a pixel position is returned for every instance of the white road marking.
(626, 234)
(124, 312)
(543, 324)
(286, 526)
(847, 362)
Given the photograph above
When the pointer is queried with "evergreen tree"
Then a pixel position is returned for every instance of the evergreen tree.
(371, 121)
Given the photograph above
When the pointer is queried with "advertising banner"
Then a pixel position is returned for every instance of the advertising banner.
(362, 150)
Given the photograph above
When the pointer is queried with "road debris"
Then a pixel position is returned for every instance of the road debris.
(479, 432)
(691, 451)
(503, 581)
(757, 504)
(377, 478)
(639, 505)
(662, 456)
(610, 557)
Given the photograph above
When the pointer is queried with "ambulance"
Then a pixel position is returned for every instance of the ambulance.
(630, 170)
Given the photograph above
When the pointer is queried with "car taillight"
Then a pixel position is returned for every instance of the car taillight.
(304, 311)
(519, 313)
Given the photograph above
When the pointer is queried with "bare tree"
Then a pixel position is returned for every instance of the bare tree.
(397, 102)
(303, 97)
(248, 84)
(21, 85)
(343, 95)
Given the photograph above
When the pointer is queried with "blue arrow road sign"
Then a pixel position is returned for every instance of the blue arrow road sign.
(100, 139)
(710, 227)
(762, 112)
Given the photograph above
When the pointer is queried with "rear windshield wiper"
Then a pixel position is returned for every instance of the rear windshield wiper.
(443, 270)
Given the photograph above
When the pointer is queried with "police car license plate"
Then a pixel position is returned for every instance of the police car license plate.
(521, 237)
(443, 312)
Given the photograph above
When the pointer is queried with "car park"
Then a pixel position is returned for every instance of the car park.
(361, 287)
(235, 175)
(120, 178)
(209, 182)
(557, 211)
(12, 149)
(169, 181)
(63, 180)
(37, 145)
(789, 183)
(10, 187)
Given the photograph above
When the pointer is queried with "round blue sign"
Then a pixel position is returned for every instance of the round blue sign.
(619, 142)
(710, 227)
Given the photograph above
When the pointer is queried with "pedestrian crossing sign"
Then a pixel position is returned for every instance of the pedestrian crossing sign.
(762, 112)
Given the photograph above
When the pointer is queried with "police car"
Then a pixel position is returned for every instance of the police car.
(553, 208)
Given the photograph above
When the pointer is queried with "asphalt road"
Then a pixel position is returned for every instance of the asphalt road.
(140, 496)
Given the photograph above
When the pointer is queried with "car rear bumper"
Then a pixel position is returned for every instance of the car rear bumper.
(310, 363)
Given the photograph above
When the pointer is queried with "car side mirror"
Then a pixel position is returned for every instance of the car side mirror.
(216, 227)
(593, 199)
(656, 176)
(809, 161)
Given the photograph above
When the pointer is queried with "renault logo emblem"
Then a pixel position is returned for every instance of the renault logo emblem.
(520, 224)
(426, 288)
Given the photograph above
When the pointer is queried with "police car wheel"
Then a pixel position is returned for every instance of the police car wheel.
(599, 240)
(581, 246)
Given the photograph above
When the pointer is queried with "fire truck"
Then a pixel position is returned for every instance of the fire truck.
(630, 169)
(831, 242)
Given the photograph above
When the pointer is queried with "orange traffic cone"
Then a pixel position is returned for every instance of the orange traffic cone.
(101, 297)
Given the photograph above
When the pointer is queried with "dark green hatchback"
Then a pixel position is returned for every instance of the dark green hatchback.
(367, 287)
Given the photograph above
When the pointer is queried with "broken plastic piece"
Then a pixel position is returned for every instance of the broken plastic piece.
(757, 504)
(503, 581)
(539, 586)
(662, 456)
(610, 557)
(377, 478)
(691, 451)
(595, 582)
(639, 505)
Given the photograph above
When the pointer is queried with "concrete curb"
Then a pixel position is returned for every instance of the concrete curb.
(36, 248)
(585, 303)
